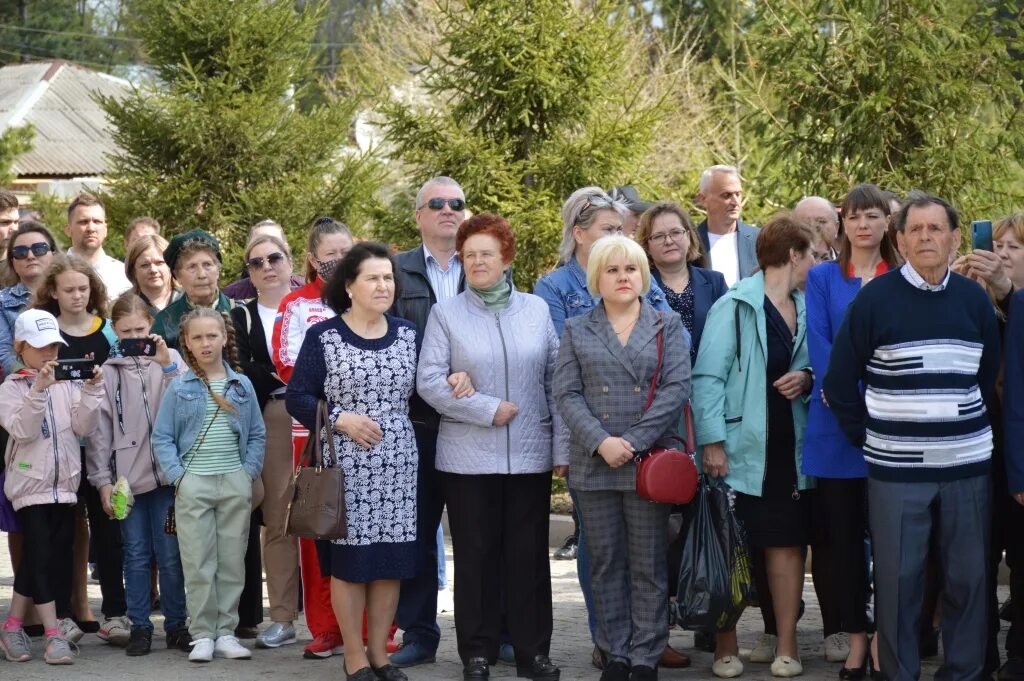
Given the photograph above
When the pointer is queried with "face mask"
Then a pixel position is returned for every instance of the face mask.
(326, 269)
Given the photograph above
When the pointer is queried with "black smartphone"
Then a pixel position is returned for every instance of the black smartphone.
(981, 235)
(73, 369)
(137, 347)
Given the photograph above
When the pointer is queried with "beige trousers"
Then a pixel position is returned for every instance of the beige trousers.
(280, 552)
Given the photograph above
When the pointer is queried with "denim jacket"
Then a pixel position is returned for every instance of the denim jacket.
(566, 293)
(13, 300)
(180, 421)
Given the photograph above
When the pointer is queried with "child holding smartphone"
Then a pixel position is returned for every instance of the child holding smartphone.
(45, 418)
(209, 438)
(139, 370)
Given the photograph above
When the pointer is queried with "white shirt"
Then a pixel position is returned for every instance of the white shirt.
(725, 257)
(917, 281)
(111, 273)
(267, 315)
(444, 282)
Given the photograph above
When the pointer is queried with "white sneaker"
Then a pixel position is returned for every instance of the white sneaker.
(118, 631)
(764, 651)
(202, 650)
(445, 601)
(69, 630)
(728, 667)
(837, 647)
(229, 647)
(786, 667)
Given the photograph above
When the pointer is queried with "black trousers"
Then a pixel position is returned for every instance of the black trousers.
(48, 534)
(250, 605)
(499, 529)
(105, 540)
(840, 574)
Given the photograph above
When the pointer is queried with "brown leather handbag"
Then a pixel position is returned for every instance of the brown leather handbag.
(665, 475)
(317, 507)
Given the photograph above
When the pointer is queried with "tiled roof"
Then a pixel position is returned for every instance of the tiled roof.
(72, 133)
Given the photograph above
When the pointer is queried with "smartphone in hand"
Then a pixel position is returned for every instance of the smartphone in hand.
(137, 347)
(74, 369)
(981, 235)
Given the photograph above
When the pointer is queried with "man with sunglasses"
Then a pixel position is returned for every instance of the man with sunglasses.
(429, 273)
(87, 227)
(242, 288)
(9, 216)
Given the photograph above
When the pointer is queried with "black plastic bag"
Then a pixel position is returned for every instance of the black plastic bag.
(715, 582)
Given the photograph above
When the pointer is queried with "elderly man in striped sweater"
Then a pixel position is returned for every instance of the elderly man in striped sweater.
(923, 344)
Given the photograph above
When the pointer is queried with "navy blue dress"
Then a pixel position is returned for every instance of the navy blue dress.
(375, 378)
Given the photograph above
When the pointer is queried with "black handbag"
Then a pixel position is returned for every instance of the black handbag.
(317, 506)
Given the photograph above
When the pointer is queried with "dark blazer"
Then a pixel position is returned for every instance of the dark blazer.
(251, 338)
(746, 239)
(601, 388)
(708, 286)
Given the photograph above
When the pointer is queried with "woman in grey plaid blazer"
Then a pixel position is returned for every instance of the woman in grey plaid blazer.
(606, 363)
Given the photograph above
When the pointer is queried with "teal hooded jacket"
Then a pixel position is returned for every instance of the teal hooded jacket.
(729, 384)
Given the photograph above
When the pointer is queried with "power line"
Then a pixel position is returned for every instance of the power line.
(97, 36)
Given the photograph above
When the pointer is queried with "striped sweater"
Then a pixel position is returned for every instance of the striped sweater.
(909, 377)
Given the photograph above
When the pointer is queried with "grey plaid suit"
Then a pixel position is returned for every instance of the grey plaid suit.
(601, 387)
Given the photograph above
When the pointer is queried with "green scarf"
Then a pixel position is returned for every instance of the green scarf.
(495, 297)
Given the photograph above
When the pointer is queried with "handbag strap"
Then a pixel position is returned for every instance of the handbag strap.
(322, 421)
(659, 337)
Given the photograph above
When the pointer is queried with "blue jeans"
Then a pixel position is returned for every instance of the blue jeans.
(142, 535)
(583, 569)
(442, 564)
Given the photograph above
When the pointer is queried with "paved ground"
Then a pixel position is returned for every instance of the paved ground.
(571, 649)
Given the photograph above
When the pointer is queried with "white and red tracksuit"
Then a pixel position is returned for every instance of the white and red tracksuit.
(298, 311)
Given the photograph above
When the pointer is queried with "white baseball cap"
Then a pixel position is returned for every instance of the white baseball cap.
(38, 328)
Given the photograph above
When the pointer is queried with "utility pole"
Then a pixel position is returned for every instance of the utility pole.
(23, 22)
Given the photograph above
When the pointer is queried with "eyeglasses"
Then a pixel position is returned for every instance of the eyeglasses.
(38, 249)
(274, 259)
(438, 204)
(676, 235)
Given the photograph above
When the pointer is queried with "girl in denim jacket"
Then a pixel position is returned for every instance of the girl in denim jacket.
(208, 439)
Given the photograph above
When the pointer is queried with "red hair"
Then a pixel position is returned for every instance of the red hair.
(492, 225)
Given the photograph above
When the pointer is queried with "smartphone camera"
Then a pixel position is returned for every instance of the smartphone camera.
(138, 347)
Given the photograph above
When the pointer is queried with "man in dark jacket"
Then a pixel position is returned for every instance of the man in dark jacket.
(428, 273)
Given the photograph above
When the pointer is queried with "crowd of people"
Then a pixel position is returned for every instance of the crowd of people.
(851, 376)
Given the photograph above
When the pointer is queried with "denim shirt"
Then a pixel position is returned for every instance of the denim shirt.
(13, 300)
(566, 293)
(180, 421)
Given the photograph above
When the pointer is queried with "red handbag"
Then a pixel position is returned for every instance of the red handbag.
(665, 475)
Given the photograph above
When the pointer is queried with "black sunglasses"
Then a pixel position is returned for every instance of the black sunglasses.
(257, 263)
(39, 250)
(438, 204)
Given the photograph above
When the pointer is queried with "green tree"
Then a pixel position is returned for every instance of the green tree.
(903, 93)
(220, 141)
(13, 143)
(524, 102)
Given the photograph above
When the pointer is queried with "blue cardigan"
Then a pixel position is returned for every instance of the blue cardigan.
(708, 286)
(827, 451)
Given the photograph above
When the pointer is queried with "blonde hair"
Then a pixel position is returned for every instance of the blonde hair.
(263, 239)
(581, 210)
(45, 297)
(608, 247)
(137, 250)
(230, 348)
(1014, 223)
(129, 303)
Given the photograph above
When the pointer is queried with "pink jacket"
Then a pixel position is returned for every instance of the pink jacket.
(44, 461)
(120, 445)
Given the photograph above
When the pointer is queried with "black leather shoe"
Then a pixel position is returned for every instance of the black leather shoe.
(476, 668)
(362, 674)
(389, 672)
(180, 638)
(643, 673)
(539, 669)
(616, 670)
(855, 673)
(140, 642)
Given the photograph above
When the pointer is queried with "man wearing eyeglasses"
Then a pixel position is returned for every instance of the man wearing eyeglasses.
(821, 216)
(87, 227)
(429, 273)
(728, 241)
(9, 216)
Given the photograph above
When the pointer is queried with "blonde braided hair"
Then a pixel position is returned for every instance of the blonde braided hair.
(230, 348)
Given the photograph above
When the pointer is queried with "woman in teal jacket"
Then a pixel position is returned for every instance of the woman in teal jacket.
(749, 401)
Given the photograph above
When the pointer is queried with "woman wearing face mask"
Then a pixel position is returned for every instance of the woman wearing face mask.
(486, 366)
(329, 241)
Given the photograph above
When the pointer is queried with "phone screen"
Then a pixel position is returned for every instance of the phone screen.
(73, 369)
(981, 235)
(137, 347)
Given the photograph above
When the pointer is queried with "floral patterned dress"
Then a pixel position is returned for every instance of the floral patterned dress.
(374, 378)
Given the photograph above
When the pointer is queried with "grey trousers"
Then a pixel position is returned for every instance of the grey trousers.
(627, 538)
(902, 516)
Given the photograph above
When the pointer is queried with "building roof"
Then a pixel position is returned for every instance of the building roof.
(73, 136)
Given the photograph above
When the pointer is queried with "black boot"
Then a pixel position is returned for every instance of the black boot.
(539, 669)
(140, 642)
